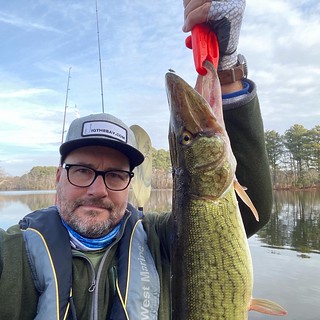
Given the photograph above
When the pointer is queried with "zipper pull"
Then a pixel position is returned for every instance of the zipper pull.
(93, 286)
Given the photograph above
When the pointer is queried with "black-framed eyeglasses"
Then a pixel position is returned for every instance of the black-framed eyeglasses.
(83, 176)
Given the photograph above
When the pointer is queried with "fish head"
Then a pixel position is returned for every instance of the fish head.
(201, 157)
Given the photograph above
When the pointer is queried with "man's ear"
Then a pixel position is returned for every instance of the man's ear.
(58, 174)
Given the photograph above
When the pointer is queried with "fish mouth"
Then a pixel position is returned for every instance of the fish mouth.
(189, 110)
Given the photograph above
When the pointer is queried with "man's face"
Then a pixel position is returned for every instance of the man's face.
(95, 210)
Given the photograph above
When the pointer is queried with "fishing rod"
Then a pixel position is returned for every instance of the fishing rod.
(141, 185)
(65, 107)
(100, 64)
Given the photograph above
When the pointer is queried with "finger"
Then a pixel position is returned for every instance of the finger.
(191, 5)
(196, 16)
(185, 2)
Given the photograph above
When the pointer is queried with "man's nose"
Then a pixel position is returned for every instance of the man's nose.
(98, 187)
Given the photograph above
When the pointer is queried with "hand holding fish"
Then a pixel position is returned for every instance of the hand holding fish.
(225, 19)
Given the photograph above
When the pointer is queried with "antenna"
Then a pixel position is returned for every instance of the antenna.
(65, 107)
(98, 34)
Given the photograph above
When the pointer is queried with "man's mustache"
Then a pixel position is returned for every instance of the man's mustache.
(104, 204)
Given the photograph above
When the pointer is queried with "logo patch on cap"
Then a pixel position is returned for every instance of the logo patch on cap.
(104, 128)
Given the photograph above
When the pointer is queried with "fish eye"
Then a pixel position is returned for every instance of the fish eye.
(186, 138)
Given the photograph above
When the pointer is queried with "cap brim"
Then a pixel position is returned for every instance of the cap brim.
(135, 156)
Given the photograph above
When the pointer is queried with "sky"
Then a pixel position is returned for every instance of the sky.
(42, 41)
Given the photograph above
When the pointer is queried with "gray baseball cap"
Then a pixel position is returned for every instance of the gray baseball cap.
(102, 129)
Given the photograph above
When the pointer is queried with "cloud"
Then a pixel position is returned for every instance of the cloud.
(281, 41)
(24, 93)
(24, 24)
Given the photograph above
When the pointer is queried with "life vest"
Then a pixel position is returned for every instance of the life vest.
(138, 284)
(50, 257)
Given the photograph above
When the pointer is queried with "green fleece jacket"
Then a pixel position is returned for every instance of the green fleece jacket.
(18, 296)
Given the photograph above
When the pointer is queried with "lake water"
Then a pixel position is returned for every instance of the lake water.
(285, 253)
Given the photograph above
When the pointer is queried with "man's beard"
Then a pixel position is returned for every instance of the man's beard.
(84, 225)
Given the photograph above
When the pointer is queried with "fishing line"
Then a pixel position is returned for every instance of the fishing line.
(100, 64)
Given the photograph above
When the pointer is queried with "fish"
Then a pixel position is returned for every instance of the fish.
(211, 266)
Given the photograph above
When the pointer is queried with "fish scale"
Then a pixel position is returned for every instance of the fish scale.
(221, 284)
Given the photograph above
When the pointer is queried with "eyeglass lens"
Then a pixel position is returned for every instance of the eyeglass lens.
(82, 176)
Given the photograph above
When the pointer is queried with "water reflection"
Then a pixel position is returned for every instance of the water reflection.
(295, 222)
(34, 200)
(160, 201)
(16, 204)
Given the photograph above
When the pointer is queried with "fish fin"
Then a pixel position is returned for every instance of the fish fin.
(267, 307)
(245, 198)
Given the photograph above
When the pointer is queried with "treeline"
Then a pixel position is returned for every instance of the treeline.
(294, 162)
(38, 178)
(43, 178)
(294, 157)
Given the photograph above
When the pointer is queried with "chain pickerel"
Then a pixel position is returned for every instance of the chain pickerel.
(212, 274)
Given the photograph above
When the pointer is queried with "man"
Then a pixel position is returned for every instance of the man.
(94, 256)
